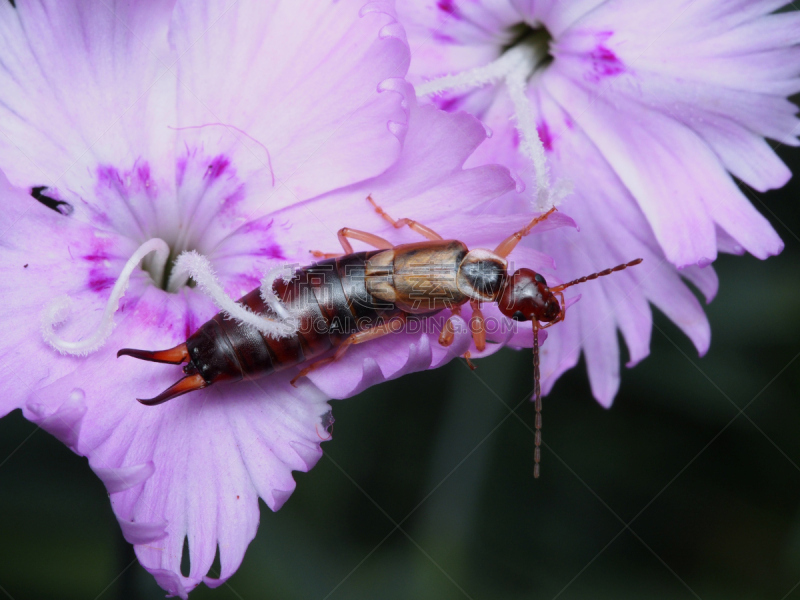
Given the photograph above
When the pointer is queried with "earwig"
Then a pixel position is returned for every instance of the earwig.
(355, 297)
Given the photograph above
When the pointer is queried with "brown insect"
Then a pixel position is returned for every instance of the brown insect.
(352, 298)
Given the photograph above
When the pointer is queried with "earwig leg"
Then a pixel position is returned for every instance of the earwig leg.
(330, 434)
(507, 245)
(174, 356)
(537, 397)
(551, 323)
(448, 331)
(563, 305)
(477, 325)
(561, 315)
(392, 326)
(355, 234)
(312, 367)
(467, 357)
(318, 254)
(421, 229)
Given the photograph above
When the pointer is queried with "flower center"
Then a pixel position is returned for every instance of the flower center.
(533, 41)
(161, 273)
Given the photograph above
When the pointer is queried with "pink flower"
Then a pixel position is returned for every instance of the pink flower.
(646, 111)
(250, 133)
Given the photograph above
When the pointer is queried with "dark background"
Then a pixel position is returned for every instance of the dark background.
(710, 495)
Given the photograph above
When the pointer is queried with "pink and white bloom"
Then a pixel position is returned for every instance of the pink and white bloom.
(647, 110)
(249, 132)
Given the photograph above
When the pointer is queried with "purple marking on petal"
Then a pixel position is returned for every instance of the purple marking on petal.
(190, 324)
(545, 135)
(99, 251)
(108, 176)
(143, 172)
(98, 217)
(443, 37)
(449, 7)
(143, 178)
(98, 282)
(137, 179)
(180, 169)
(604, 62)
(447, 104)
(257, 225)
(217, 167)
(97, 256)
(515, 138)
(272, 251)
(231, 201)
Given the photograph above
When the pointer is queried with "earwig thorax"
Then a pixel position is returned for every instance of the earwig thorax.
(482, 275)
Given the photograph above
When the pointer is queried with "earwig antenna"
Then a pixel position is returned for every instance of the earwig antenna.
(537, 396)
(564, 286)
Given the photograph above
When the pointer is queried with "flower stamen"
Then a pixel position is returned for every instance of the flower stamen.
(285, 272)
(60, 309)
(514, 68)
(530, 144)
(198, 267)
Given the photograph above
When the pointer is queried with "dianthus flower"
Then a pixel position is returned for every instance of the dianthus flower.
(645, 110)
(249, 133)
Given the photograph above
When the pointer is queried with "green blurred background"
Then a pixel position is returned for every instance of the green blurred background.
(710, 496)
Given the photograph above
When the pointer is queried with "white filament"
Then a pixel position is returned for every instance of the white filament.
(494, 72)
(58, 311)
(530, 143)
(285, 272)
(194, 265)
(514, 68)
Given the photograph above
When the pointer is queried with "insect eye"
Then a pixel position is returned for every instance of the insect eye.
(539, 279)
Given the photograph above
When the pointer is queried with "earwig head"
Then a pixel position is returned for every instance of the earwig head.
(482, 275)
(526, 297)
